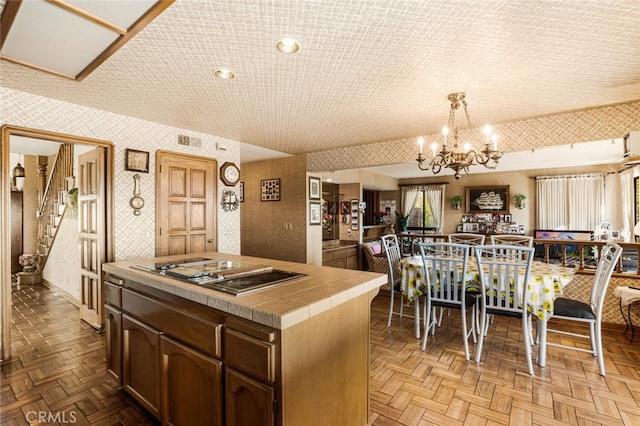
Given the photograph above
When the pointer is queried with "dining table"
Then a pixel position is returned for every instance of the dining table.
(546, 282)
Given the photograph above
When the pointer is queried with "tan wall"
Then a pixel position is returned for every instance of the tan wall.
(518, 182)
(351, 191)
(276, 229)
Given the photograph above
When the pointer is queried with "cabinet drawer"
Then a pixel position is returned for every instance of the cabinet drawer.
(250, 355)
(113, 292)
(178, 323)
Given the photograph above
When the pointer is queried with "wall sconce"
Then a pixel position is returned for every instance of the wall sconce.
(18, 176)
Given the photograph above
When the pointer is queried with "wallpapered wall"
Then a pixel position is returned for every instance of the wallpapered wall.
(609, 122)
(134, 235)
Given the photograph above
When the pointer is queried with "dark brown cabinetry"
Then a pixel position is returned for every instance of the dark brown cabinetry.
(191, 386)
(189, 363)
(141, 356)
(113, 326)
(250, 358)
(249, 402)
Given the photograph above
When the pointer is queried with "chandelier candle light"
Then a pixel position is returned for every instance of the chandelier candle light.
(458, 157)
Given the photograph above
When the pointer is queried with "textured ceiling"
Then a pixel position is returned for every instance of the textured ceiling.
(368, 71)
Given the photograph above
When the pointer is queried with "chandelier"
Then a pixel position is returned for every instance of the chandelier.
(457, 157)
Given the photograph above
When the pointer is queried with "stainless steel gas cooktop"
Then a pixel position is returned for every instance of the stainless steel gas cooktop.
(222, 275)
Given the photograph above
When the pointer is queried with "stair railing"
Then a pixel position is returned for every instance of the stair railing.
(62, 168)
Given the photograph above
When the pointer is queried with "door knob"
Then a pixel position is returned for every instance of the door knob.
(210, 240)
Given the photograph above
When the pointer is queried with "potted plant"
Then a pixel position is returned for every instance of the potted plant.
(457, 201)
(520, 201)
(403, 221)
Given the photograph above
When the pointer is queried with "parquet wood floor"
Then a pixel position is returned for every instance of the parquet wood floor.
(58, 368)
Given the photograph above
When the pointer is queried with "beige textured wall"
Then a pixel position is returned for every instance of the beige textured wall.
(519, 182)
(276, 229)
(350, 192)
(134, 235)
(587, 125)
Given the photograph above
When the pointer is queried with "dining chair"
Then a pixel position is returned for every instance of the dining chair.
(574, 312)
(391, 248)
(504, 276)
(445, 267)
(466, 238)
(512, 240)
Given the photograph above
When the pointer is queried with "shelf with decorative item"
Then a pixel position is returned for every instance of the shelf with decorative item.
(521, 201)
(456, 201)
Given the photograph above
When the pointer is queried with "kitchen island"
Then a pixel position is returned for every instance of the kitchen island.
(296, 352)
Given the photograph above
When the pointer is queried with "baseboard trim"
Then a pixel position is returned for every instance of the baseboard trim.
(61, 292)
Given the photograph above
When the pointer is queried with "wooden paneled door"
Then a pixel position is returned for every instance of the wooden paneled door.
(91, 213)
(185, 204)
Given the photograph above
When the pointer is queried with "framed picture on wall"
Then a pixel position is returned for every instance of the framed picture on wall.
(314, 188)
(315, 214)
(345, 205)
(354, 214)
(136, 161)
(242, 192)
(487, 199)
(270, 190)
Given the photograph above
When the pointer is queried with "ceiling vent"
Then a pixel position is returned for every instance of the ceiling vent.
(189, 141)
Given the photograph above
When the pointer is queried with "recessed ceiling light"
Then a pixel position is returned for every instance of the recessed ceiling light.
(288, 46)
(225, 74)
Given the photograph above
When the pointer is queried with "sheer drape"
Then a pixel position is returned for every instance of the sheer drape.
(435, 196)
(552, 209)
(409, 196)
(570, 202)
(628, 221)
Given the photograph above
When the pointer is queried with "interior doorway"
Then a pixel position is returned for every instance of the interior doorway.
(36, 136)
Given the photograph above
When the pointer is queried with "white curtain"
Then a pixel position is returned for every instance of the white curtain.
(627, 190)
(586, 202)
(573, 202)
(435, 196)
(409, 196)
(552, 209)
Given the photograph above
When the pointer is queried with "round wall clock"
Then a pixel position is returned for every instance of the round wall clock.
(229, 174)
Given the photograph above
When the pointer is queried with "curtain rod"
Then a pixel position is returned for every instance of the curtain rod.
(571, 176)
(422, 184)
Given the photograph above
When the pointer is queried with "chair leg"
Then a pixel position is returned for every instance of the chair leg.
(527, 341)
(465, 336)
(598, 338)
(427, 324)
(416, 315)
(481, 335)
(393, 292)
(474, 324)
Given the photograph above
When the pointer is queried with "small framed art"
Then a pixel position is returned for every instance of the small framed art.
(270, 190)
(315, 214)
(314, 188)
(242, 192)
(136, 161)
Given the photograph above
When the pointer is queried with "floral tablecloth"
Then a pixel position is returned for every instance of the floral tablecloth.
(546, 282)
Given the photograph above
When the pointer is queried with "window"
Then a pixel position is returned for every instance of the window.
(421, 217)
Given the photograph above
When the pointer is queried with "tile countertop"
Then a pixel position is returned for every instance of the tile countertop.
(279, 306)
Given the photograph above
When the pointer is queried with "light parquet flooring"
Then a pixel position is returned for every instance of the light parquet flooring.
(58, 367)
(438, 387)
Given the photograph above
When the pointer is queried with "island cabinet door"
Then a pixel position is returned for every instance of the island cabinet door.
(248, 402)
(113, 334)
(141, 359)
(191, 386)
